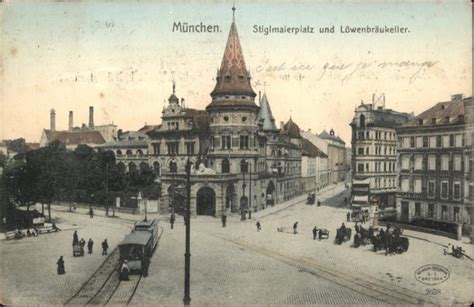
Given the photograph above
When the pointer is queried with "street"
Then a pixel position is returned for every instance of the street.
(237, 265)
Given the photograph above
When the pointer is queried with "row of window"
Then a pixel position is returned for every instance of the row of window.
(385, 183)
(129, 153)
(173, 148)
(376, 135)
(431, 212)
(438, 141)
(432, 162)
(379, 150)
(378, 167)
(229, 142)
(417, 185)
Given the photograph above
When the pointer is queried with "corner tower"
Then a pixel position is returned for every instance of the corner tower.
(232, 111)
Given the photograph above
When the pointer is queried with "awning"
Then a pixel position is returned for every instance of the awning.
(360, 199)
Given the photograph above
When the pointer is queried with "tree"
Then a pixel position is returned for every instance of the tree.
(18, 146)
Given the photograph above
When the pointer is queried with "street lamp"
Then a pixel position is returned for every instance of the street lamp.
(243, 201)
(187, 254)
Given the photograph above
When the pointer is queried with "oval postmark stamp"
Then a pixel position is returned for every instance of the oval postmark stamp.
(432, 274)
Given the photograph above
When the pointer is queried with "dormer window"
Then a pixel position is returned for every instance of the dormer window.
(446, 119)
(442, 107)
(433, 120)
(227, 78)
(420, 121)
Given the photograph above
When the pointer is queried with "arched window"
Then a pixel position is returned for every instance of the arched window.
(173, 167)
(132, 167)
(129, 153)
(156, 168)
(119, 153)
(225, 166)
(139, 153)
(121, 167)
(362, 121)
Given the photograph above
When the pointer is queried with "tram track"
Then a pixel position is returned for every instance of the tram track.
(104, 286)
(376, 289)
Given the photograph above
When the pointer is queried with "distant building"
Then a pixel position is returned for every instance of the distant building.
(436, 164)
(311, 163)
(322, 164)
(90, 134)
(374, 153)
(336, 152)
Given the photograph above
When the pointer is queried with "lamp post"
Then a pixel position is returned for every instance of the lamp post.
(249, 167)
(187, 254)
(243, 203)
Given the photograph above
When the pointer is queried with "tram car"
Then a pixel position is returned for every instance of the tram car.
(138, 246)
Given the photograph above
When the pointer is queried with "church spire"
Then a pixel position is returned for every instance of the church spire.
(233, 77)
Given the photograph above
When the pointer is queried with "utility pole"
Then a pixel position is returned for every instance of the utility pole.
(187, 254)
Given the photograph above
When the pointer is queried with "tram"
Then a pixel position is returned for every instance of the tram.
(138, 246)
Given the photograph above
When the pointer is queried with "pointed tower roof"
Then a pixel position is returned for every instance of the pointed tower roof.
(292, 129)
(233, 88)
(265, 117)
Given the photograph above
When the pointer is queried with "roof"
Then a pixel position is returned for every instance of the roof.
(136, 237)
(452, 112)
(147, 223)
(265, 117)
(292, 129)
(124, 144)
(75, 137)
(148, 128)
(311, 150)
(330, 136)
(232, 77)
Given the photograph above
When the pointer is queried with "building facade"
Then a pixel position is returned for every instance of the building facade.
(374, 153)
(435, 162)
(240, 161)
(311, 164)
(322, 165)
(336, 152)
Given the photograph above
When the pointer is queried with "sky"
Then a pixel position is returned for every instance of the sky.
(122, 56)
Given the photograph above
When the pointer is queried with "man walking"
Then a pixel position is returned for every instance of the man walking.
(348, 216)
(259, 226)
(315, 232)
(224, 219)
(295, 228)
(105, 246)
(172, 219)
(90, 245)
(91, 212)
(60, 264)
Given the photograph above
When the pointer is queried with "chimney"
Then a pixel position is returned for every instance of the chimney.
(282, 124)
(71, 122)
(182, 103)
(52, 120)
(457, 97)
(91, 117)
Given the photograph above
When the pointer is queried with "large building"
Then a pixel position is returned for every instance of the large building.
(336, 152)
(436, 164)
(240, 160)
(374, 153)
(323, 178)
(90, 134)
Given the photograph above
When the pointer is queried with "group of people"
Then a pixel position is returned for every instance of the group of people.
(82, 244)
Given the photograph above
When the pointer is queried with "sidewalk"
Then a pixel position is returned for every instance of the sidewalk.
(324, 194)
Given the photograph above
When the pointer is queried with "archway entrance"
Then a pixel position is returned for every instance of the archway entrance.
(270, 194)
(206, 202)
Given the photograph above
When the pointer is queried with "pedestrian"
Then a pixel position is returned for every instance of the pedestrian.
(259, 226)
(75, 238)
(345, 201)
(315, 232)
(348, 216)
(105, 246)
(224, 219)
(319, 203)
(60, 264)
(82, 243)
(172, 219)
(91, 212)
(90, 245)
(295, 228)
(124, 271)
(447, 249)
(28, 233)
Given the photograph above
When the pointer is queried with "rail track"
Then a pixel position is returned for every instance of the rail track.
(104, 286)
(376, 289)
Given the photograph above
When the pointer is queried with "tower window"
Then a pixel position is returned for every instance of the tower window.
(244, 119)
(226, 118)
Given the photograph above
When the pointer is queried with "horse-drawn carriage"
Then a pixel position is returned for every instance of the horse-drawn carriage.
(343, 234)
(311, 198)
(391, 241)
(363, 236)
(323, 234)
